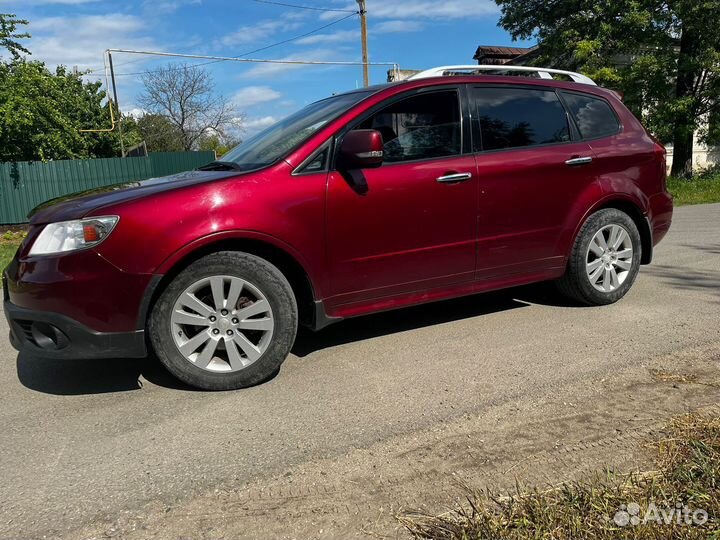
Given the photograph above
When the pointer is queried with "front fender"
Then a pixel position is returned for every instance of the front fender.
(238, 236)
(155, 233)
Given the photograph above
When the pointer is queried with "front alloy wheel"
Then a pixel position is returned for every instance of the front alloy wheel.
(226, 321)
(222, 323)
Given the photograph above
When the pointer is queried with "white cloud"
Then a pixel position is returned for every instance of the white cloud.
(80, 41)
(257, 124)
(335, 37)
(253, 95)
(253, 126)
(263, 71)
(396, 26)
(423, 9)
(90, 24)
(260, 31)
(135, 112)
(167, 6)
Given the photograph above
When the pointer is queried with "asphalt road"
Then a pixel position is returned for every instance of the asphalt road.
(81, 441)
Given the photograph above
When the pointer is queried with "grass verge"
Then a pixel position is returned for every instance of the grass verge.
(9, 242)
(704, 188)
(688, 473)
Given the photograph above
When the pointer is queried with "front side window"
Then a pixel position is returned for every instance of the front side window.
(518, 117)
(593, 116)
(420, 127)
(279, 139)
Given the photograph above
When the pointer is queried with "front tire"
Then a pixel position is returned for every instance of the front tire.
(605, 259)
(225, 322)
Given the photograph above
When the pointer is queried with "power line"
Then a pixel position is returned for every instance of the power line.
(354, 13)
(252, 60)
(351, 12)
(100, 70)
(312, 8)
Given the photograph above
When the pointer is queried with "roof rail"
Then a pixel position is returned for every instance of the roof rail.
(543, 73)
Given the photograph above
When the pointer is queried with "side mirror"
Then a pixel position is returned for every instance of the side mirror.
(361, 149)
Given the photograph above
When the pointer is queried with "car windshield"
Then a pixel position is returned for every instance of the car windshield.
(279, 139)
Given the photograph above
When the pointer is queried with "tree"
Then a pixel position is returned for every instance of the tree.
(158, 132)
(663, 54)
(42, 113)
(216, 143)
(185, 95)
(9, 37)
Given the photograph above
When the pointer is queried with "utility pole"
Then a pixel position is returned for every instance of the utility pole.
(363, 37)
(117, 105)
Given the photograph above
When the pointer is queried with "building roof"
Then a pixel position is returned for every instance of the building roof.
(491, 55)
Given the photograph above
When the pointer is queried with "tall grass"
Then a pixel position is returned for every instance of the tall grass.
(688, 473)
(703, 188)
(9, 242)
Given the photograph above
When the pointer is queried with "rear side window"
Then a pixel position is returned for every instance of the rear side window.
(420, 127)
(594, 116)
(518, 117)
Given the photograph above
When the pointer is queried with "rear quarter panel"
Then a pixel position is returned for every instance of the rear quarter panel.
(630, 169)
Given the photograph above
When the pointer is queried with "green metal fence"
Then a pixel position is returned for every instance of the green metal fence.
(25, 184)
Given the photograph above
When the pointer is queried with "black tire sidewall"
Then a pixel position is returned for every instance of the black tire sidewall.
(260, 273)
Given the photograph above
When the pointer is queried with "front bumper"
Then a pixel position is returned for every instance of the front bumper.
(56, 336)
(76, 306)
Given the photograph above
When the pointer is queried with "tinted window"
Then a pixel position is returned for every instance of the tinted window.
(515, 117)
(276, 141)
(420, 127)
(317, 163)
(594, 116)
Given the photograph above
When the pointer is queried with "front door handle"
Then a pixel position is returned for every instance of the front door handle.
(574, 162)
(454, 178)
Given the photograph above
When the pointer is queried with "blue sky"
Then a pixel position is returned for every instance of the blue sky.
(416, 34)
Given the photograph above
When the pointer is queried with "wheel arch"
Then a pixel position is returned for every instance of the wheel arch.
(634, 210)
(280, 257)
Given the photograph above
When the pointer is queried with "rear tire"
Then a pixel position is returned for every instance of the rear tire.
(225, 322)
(605, 259)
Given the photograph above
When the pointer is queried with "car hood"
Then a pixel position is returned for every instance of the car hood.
(77, 205)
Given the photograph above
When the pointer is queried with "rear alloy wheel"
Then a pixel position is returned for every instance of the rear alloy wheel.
(227, 321)
(605, 259)
(609, 258)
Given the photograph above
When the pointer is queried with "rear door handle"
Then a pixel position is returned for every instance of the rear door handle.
(574, 162)
(454, 178)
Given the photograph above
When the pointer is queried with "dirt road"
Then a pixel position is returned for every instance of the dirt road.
(367, 416)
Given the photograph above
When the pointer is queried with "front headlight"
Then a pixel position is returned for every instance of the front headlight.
(72, 235)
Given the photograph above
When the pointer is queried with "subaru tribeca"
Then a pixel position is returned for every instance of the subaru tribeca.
(375, 199)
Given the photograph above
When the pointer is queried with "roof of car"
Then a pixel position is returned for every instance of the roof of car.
(486, 78)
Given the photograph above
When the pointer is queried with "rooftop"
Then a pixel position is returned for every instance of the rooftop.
(492, 55)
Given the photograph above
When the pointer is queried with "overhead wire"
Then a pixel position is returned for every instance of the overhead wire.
(294, 38)
(313, 8)
(351, 12)
(297, 6)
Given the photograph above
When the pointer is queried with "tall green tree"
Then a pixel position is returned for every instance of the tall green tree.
(663, 54)
(42, 114)
(9, 35)
(159, 133)
(219, 144)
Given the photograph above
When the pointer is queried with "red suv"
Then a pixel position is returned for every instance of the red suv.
(380, 198)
